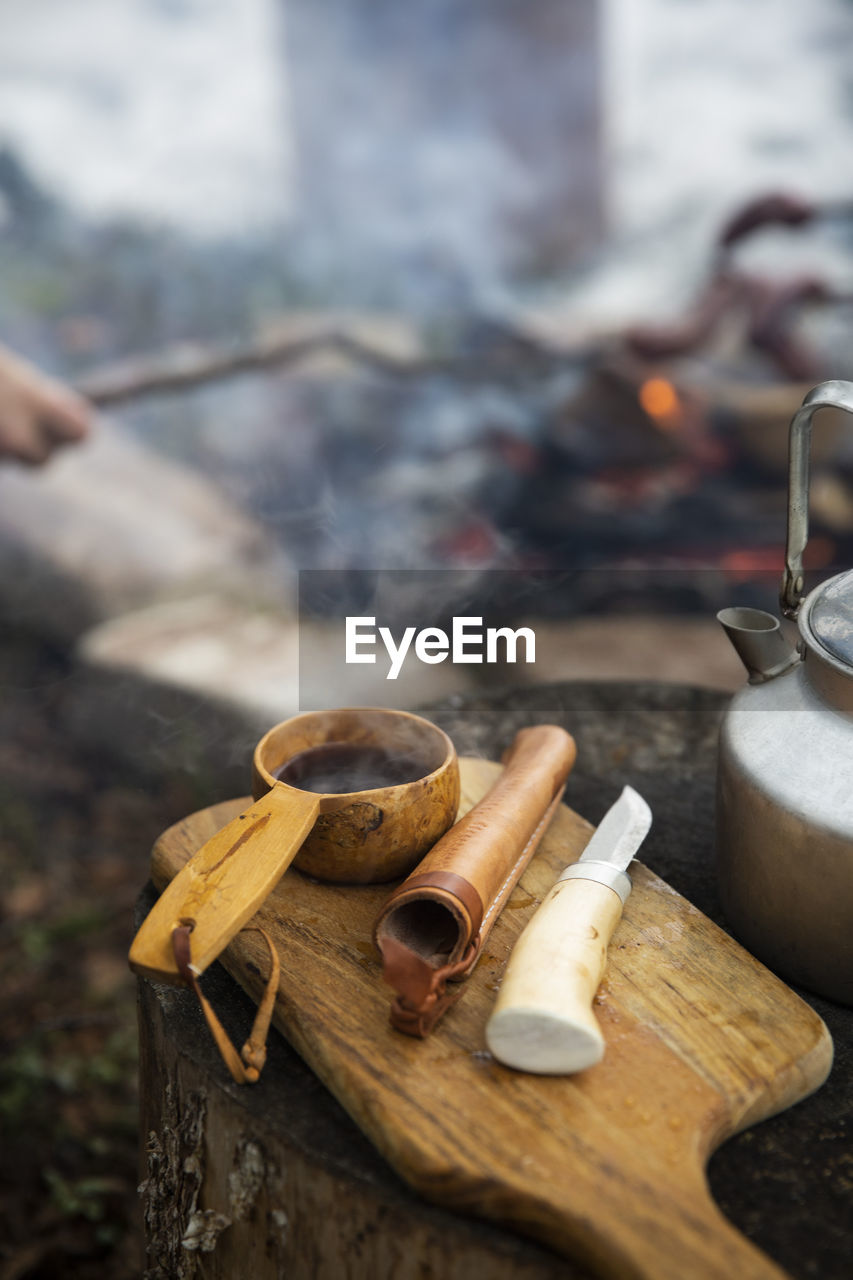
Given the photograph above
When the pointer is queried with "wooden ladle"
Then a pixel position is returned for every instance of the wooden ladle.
(358, 834)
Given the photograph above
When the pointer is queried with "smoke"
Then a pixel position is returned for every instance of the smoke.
(440, 149)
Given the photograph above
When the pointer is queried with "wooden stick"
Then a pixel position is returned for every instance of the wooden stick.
(182, 368)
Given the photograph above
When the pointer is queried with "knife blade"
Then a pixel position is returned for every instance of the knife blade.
(543, 1020)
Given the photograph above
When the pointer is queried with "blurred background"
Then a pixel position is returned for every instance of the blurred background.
(527, 293)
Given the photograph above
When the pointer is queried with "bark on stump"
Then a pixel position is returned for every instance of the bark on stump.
(274, 1180)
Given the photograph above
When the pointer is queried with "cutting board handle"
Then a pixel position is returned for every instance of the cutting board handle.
(662, 1230)
(222, 886)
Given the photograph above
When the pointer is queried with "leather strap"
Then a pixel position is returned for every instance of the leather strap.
(246, 1066)
(498, 902)
(425, 987)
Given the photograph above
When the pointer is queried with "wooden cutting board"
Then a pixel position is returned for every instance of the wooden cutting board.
(606, 1166)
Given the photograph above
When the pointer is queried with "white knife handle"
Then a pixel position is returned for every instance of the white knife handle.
(543, 1019)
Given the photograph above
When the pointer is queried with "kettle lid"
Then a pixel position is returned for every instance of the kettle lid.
(831, 617)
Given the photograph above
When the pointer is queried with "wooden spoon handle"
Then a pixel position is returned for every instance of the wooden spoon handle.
(222, 886)
(543, 1019)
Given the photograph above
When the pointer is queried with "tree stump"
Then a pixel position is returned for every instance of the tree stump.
(276, 1180)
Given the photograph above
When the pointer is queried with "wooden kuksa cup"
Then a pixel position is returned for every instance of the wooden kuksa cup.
(358, 837)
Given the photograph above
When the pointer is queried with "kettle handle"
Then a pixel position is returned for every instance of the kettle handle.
(835, 395)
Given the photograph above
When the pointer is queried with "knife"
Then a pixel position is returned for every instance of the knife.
(543, 1019)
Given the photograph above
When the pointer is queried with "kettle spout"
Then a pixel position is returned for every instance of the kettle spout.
(758, 642)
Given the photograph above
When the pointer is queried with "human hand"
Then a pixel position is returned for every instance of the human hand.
(37, 413)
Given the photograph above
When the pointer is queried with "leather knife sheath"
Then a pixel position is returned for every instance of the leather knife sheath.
(433, 926)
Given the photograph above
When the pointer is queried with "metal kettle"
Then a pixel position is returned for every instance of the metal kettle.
(784, 829)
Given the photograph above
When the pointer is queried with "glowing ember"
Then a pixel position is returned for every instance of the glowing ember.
(660, 401)
(743, 563)
(746, 562)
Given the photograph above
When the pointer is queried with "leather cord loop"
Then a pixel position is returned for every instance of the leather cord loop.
(246, 1066)
(419, 1019)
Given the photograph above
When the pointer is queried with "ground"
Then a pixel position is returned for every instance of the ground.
(76, 827)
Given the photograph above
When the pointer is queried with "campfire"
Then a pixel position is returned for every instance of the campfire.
(493, 446)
